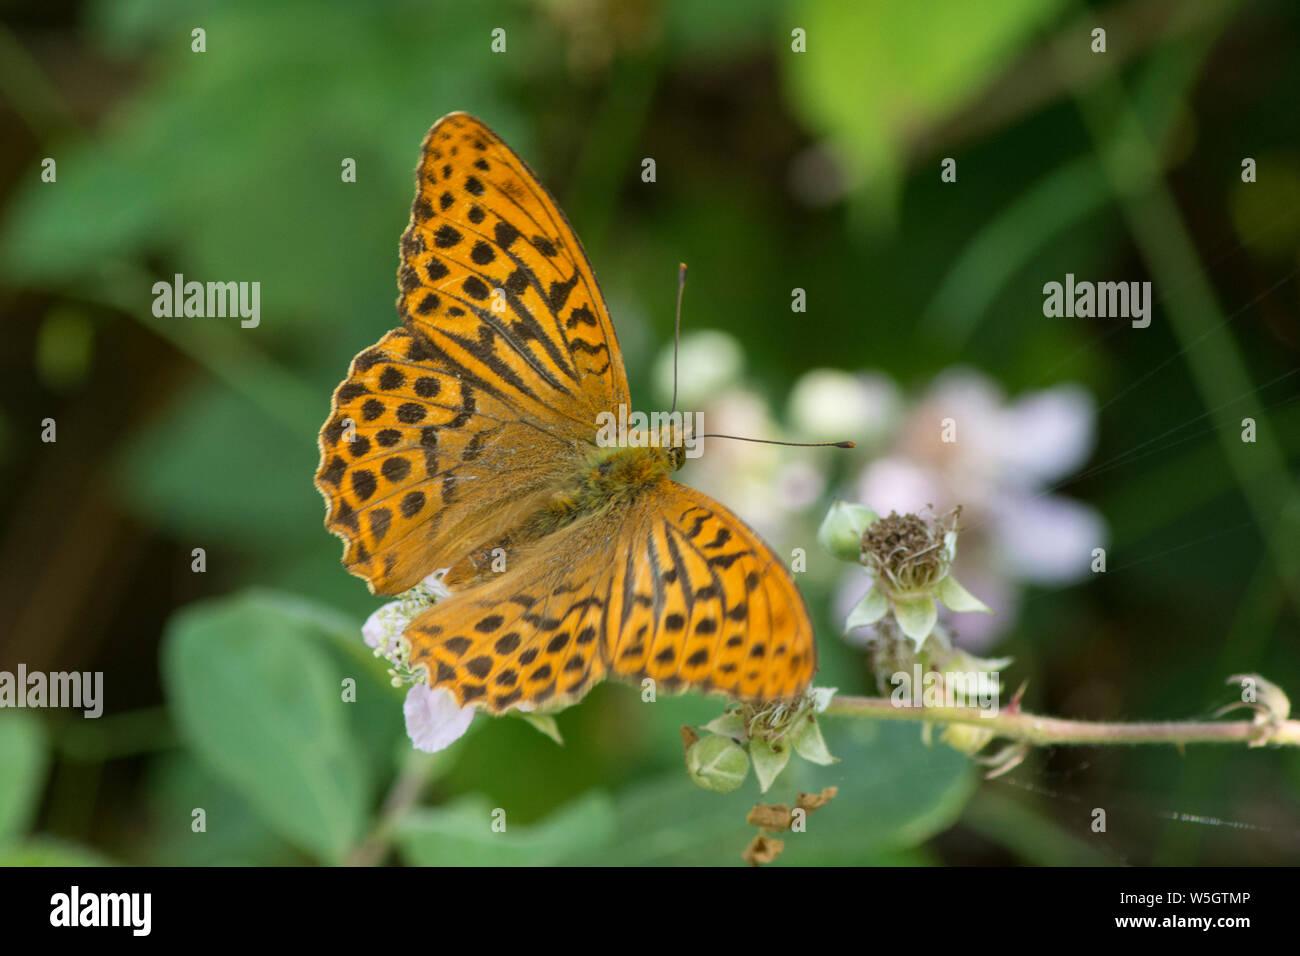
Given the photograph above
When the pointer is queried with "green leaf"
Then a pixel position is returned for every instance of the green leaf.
(912, 65)
(177, 473)
(23, 760)
(462, 834)
(50, 851)
(893, 793)
(869, 610)
(916, 616)
(957, 598)
(769, 761)
(237, 834)
(545, 723)
(809, 743)
(258, 699)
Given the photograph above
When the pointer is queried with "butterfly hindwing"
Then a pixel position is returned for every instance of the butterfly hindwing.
(530, 636)
(675, 588)
(702, 603)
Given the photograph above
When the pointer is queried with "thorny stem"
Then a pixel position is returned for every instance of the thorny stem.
(1037, 729)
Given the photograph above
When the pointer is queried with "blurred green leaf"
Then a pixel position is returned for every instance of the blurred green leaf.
(461, 834)
(201, 472)
(720, 31)
(259, 700)
(236, 836)
(23, 758)
(50, 851)
(263, 206)
(911, 64)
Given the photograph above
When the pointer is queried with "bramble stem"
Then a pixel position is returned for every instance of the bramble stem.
(403, 797)
(1037, 729)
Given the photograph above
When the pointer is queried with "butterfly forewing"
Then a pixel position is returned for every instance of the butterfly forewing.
(494, 276)
(446, 429)
(417, 465)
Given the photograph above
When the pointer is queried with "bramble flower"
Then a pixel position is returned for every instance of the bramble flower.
(997, 460)
(434, 721)
(383, 629)
(766, 734)
(831, 405)
(909, 562)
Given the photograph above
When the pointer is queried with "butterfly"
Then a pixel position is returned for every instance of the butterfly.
(466, 440)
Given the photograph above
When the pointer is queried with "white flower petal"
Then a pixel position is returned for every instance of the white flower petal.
(1049, 539)
(433, 719)
(708, 361)
(798, 485)
(895, 484)
(1046, 435)
(830, 405)
(973, 401)
(436, 585)
(385, 624)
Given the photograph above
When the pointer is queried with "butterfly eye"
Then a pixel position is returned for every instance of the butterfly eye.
(676, 457)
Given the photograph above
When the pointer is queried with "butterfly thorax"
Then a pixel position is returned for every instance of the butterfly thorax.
(610, 478)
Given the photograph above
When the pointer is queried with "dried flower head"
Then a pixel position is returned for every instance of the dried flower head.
(910, 553)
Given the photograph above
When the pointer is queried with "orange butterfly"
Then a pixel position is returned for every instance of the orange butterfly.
(467, 440)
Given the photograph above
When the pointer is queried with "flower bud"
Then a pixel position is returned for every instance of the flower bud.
(717, 763)
(842, 529)
(967, 739)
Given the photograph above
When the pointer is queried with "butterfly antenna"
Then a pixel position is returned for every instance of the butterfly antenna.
(677, 331)
(795, 444)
